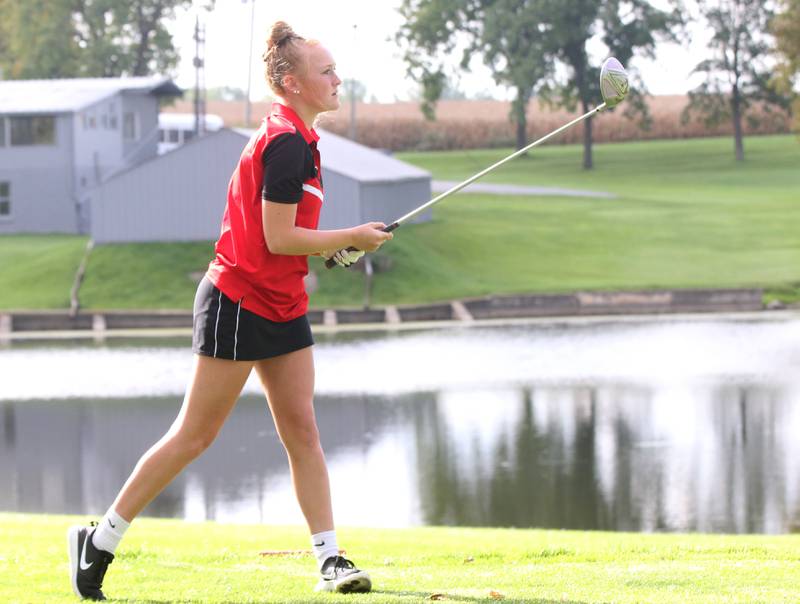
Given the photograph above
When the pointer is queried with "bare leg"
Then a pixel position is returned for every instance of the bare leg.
(214, 389)
(289, 385)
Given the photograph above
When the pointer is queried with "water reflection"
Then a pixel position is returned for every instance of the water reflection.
(720, 456)
(613, 458)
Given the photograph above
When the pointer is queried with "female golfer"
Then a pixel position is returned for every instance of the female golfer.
(250, 312)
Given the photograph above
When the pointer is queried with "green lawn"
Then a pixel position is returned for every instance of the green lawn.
(37, 271)
(686, 215)
(164, 561)
(144, 275)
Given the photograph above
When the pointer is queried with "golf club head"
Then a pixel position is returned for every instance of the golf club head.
(613, 82)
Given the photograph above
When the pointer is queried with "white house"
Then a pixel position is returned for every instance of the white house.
(61, 138)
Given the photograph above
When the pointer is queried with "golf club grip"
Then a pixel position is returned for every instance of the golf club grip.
(330, 262)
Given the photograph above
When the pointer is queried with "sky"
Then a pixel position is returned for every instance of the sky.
(360, 34)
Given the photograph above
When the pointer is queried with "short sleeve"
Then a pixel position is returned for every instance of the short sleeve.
(285, 169)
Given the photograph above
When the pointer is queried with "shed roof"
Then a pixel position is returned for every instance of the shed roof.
(69, 95)
(359, 162)
(363, 163)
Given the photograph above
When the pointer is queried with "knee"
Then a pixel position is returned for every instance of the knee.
(191, 446)
(300, 436)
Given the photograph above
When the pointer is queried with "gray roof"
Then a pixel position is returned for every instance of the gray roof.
(363, 163)
(359, 162)
(69, 95)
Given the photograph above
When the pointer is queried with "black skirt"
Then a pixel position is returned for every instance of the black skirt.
(223, 329)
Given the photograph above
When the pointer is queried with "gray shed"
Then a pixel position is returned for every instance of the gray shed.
(365, 184)
(180, 196)
(177, 196)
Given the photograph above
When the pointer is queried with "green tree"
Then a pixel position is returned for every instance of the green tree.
(737, 74)
(89, 38)
(36, 39)
(525, 41)
(786, 28)
(125, 37)
(505, 32)
(626, 28)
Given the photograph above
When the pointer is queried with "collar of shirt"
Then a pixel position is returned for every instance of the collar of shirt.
(310, 136)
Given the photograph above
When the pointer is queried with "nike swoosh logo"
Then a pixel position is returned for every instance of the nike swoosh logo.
(111, 523)
(82, 563)
(319, 544)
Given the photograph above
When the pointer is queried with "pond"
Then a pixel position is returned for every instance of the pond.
(658, 425)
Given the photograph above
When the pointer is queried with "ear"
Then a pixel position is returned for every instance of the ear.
(290, 83)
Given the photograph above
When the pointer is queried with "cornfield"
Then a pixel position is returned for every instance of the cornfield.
(486, 124)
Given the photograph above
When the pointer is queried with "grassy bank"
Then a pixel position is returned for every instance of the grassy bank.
(173, 561)
(37, 270)
(152, 275)
(686, 215)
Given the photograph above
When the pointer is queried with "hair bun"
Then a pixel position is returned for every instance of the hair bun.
(280, 32)
(282, 55)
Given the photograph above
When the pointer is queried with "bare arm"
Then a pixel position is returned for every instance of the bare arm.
(285, 238)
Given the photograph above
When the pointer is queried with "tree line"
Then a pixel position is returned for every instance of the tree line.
(87, 38)
(538, 48)
(548, 49)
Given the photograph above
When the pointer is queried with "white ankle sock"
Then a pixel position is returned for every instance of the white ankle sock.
(324, 546)
(108, 533)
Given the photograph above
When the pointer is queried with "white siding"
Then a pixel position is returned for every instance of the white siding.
(40, 177)
(98, 146)
(180, 196)
(388, 201)
(342, 206)
(145, 109)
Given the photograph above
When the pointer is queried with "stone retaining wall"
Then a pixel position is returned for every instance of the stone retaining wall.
(491, 307)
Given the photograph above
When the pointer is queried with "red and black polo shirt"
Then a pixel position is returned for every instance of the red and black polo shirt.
(280, 163)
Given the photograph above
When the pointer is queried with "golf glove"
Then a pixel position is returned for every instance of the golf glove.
(345, 258)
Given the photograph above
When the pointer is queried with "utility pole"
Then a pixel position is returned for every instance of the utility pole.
(249, 64)
(352, 130)
(199, 79)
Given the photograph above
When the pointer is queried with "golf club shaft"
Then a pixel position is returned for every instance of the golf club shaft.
(389, 228)
(483, 173)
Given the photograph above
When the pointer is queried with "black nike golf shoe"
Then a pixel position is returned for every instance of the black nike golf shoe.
(341, 575)
(87, 564)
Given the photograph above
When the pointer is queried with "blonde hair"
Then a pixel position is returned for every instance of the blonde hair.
(283, 55)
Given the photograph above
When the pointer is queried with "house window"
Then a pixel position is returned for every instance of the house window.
(112, 116)
(129, 127)
(33, 130)
(5, 199)
(2, 132)
(174, 136)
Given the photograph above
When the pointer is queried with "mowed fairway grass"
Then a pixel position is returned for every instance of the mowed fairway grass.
(164, 561)
(686, 214)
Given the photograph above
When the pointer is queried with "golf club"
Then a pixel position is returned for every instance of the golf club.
(613, 88)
